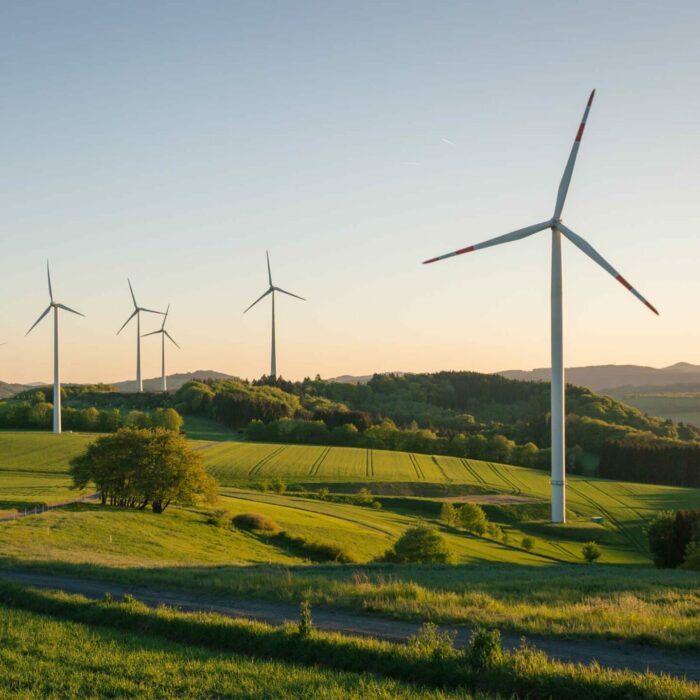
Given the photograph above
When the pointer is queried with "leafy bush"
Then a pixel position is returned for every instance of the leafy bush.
(419, 545)
(219, 518)
(670, 535)
(448, 514)
(484, 651)
(527, 543)
(306, 623)
(591, 552)
(431, 642)
(473, 518)
(255, 521)
(317, 551)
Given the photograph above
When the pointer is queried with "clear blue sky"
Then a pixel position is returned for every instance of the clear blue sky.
(174, 142)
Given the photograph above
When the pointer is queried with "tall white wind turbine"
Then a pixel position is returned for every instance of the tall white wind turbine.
(557, 385)
(271, 290)
(163, 335)
(137, 312)
(56, 369)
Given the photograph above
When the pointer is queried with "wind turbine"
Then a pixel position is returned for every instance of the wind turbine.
(557, 384)
(163, 335)
(271, 290)
(137, 312)
(56, 374)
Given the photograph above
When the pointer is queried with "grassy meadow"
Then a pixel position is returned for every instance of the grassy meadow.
(36, 650)
(548, 590)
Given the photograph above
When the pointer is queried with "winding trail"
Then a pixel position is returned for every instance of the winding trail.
(610, 654)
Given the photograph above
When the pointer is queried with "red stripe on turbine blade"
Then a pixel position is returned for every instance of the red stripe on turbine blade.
(580, 131)
(468, 249)
(652, 308)
(624, 282)
(432, 260)
(590, 99)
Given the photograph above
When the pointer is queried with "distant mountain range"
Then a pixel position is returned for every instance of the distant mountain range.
(618, 378)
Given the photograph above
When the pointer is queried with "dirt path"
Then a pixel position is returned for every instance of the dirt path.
(615, 655)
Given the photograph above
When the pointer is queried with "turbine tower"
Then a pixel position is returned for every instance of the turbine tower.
(163, 335)
(56, 373)
(137, 312)
(271, 290)
(557, 384)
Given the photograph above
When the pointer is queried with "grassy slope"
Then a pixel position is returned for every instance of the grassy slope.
(626, 507)
(36, 651)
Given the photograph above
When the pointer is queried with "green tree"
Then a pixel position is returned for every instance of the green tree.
(660, 537)
(448, 514)
(137, 467)
(420, 545)
(473, 518)
(591, 552)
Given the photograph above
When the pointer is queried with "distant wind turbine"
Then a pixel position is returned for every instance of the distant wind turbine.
(271, 290)
(557, 384)
(163, 335)
(56, 373)
(137, 312)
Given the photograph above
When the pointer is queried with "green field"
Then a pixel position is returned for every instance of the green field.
(43, 657)
(547, 590)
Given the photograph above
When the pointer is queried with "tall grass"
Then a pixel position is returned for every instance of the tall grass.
(525, 672)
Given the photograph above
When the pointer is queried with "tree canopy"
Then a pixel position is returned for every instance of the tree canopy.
(135, 467)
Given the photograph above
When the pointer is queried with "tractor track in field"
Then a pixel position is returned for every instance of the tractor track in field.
(440, 469)
(478, 478)
(506, 480)
(255, 469)
(369, 462)
(361, 523)
(608, 653)
(319, 461)
(419, 472)
(601, 509)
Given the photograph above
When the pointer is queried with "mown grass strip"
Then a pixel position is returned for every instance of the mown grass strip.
(524, 673)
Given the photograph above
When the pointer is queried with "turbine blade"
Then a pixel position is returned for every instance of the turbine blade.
(505, 238)
(569, 169)
(143, 335)
(296, 296)
(127, 321)
(269, 272)
(48, 308)
(150, 311)
(165, 318)
(73, 311)
(131, 289)
(590, 251)
(171, 340)
(262, 296)
(48, 275)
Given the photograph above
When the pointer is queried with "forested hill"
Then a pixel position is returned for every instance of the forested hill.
(466, 414)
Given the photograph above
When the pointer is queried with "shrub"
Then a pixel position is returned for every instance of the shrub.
(364, 497)
(448, 514)
(433, 643)
(419, 545)
(591, 552)
(317, 551)
(473, 518)
(219, 518)
(484, 651)
(323, 493)
(279, 485)
(255, 521)
(692, 557)
(306, 624)
(527, 543)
